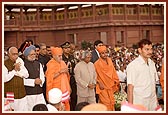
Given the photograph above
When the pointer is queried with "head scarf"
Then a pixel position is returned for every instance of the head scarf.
(26, 52)
(101, 49)
(56, 51)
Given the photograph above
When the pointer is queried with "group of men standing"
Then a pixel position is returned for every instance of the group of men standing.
(31, 80)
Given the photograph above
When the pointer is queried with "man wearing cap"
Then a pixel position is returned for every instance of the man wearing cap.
(34, 82)
(55, 100)
(14, 73)
(58, 76)
(70, 62)
(107, 79)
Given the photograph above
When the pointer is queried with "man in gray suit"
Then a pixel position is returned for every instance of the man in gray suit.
(95, 53)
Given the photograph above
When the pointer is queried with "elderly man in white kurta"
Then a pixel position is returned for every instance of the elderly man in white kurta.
(141, 78)
(14, 73)
(85, 76)
(33, 84)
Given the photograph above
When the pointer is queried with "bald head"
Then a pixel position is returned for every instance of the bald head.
(94, 107)
(13, 53)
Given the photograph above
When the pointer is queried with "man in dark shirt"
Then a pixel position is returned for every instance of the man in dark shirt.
(95, 53)
(43, 59)
(70, 62)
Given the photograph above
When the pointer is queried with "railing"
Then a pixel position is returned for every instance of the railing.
(16, 22)
(10, 22)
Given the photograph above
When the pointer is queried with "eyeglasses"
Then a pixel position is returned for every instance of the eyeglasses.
(32, 54)
(15, 54)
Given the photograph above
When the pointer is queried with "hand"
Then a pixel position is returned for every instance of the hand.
(61, 107)
(101, 86)
(91, 86)
(38, 81)
(17, 66)
(65, 70)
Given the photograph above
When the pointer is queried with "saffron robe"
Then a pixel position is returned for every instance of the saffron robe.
(61, 81)
(106, 74)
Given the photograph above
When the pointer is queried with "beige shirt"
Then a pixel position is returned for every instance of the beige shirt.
(143, 77)
(85, 74)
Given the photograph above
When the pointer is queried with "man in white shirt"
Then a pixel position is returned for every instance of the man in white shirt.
(141, 78)
(14, 72)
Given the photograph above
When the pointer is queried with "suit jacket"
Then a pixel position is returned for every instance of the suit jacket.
(85, 74)
(95, 56)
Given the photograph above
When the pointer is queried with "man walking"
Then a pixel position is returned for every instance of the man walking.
(107, 79)
(141, 77)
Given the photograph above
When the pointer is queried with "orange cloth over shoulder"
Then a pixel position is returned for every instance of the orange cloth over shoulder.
(106, 75)
(162, 80)
(61, 81)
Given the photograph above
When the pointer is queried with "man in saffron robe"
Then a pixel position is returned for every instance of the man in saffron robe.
(57, 76)
(162, 80)
(107, 79)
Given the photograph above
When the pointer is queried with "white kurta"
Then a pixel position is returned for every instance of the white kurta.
(143, 78)
(35, 99)
(19, 104)
(23, 73)
(51, 108)
(85, 74)
(121, 75)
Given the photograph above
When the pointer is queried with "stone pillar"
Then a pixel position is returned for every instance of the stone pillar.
(110, 12)
(53, 16)
(138, 12)
(38, 16)
(125, 12)
(150, 12)
(79, 13)
(65, 14)
(94, 12)
(21, 16)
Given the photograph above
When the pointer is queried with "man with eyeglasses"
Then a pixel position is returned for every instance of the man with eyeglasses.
(14, 72)
(33, 84)
(43, 59)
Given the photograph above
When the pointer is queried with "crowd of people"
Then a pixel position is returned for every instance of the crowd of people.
(38, 77)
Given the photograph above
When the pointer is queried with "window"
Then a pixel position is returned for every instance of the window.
(146, 34)
(73, 38)
(144, 11)
(120, 36)
(103, 37)
(117, 10)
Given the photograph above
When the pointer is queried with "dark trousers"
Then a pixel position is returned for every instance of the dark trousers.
(73, 96)
(97, 98)
(44, 91)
